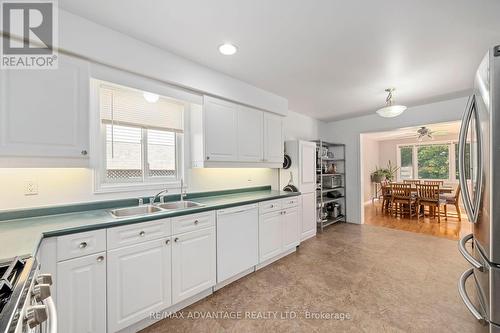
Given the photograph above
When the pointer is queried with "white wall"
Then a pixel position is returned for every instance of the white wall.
(348, 131)
(369, 162)
(300, 127)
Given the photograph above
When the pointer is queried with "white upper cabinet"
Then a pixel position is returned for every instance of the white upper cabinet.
(273, 138)
(45, 113)
(220, 130)
(250, 134)
(225, 134)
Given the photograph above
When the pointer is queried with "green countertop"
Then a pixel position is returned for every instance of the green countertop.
(22, 236)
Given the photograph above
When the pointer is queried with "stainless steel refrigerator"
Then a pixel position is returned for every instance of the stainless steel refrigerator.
(479, 165)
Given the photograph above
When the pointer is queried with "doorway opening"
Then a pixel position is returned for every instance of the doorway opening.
(399, 166)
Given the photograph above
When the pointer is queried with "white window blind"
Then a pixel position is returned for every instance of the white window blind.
(128, 107)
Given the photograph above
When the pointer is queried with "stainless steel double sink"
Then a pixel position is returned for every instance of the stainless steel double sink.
(153, 208)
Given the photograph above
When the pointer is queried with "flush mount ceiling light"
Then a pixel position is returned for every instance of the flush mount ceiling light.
(150, 97)
(390, 110)
(228, 49)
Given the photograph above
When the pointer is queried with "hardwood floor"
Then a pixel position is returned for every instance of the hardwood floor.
(450, 229)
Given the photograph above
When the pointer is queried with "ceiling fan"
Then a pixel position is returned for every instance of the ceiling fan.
(423, 133)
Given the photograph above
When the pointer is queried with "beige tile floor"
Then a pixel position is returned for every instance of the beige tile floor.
(384, 280)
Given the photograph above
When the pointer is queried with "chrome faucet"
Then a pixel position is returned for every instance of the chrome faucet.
(153, 199)
(183, 194)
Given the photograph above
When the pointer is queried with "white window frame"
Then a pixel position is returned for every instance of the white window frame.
(101, 73)
(451, 159)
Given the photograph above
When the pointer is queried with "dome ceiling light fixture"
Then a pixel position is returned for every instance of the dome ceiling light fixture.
(390, 110)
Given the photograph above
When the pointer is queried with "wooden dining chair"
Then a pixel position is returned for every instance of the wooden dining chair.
(386, 198)
(434, 182)
(428, 195)
(402, 201)
(411, 181)
(453, 199)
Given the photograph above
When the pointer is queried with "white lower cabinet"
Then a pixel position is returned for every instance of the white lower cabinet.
(193, 263)
(138, 281)
(81, 294)
(270, 235)
(290, 228)
(279, 230)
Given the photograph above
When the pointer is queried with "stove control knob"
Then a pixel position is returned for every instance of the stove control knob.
(44, 279)
(35, 315)
(41, 291)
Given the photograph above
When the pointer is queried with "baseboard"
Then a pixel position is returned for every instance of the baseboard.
(308, 235)
(234, 278)
(166, 312)
(273, 259)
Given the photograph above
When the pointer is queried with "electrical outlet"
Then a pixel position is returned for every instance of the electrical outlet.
(31, 188)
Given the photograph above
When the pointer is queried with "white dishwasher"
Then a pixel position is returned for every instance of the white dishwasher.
(237, 240)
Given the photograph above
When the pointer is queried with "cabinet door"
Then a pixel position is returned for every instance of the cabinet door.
(220, 130)
(139, 282)
(307, 169)
(290, 228)
(273, 138)
(237, 241)
(250, 135)
(193, 263)
(308, 218)
(270, 235)
(45, 113)
(81, 294)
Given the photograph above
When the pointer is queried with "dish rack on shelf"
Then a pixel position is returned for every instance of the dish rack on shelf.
(330, 184)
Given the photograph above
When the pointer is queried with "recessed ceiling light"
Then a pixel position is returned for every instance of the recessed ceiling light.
(228, 49)
(150, 97)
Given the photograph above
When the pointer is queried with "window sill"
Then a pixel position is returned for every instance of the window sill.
(130, 187)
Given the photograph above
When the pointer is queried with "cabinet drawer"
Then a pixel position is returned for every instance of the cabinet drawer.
(81, 244)
(269, 206)
(192, 222)
(290, 202)
(138, 233)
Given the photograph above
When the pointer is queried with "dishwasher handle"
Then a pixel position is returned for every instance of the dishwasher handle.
(236, 210)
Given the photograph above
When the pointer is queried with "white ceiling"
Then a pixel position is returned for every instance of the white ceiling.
(440, 131)
(331, 58)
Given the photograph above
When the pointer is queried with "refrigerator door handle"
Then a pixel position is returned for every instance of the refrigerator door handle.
(473, 261)
(466, 299)
(462, 142)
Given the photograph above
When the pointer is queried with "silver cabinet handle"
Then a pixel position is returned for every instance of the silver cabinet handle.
(142, 234)
(272, 206)
(100, 259)
(473, 261)
(83, 245)
(167, 241)
(196, 222)
(176, 239)
(463, 294)
(84, 152)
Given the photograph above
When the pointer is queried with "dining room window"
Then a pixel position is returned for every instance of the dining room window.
(427, 161)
